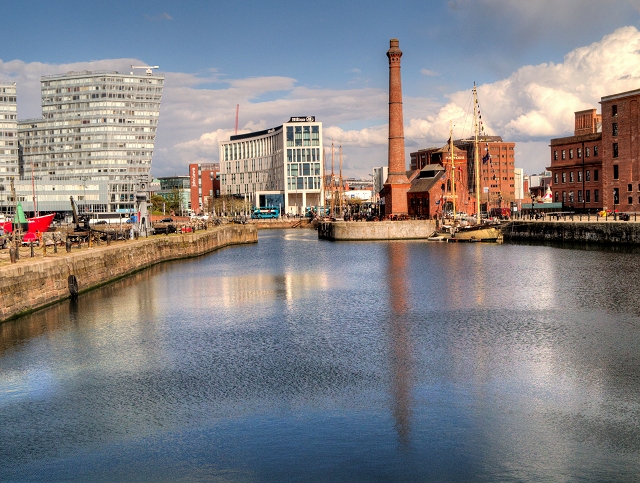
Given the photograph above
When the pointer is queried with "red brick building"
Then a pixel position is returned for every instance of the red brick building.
(621, 151)
(204, 181)
(497, 171)
(576, 165)
(599, 166)
(432, 185)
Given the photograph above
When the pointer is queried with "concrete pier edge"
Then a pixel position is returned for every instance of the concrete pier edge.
(31, 285)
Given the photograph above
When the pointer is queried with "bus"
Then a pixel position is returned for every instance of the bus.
(266, 212)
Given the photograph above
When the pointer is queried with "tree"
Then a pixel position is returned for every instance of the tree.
(174, 201)
(158, 204)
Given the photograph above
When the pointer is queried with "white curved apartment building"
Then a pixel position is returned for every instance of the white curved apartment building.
(95, 141)
(285, 163)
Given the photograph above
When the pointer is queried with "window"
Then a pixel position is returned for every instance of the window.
(616, 196)
(587, 196)
(615, 171)
(596, 196)
(587, 175)
(595, 175)
(564, 154)
(571, 154)
(298, 135)
(587, 152)
(289, 135)
(579, 176)
(614, 110)
(564, 177)
(595, 151)
(614, 129)
(555, 155)
(630, 200)
(615, 150)
(571, 177)
(570, 196)
(629, 187)
(556, 198)
(579, 150)
(579, 196)
(555, 178)
(564, 196)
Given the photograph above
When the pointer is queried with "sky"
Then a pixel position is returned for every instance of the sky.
(535, 63)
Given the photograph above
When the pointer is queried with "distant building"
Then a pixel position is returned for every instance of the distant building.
(279, 166)
(204, 182)
(518, 182)
(180, 185)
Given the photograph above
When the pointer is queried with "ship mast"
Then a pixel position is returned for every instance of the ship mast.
(333, 183)
(453, 170)
(475, 151)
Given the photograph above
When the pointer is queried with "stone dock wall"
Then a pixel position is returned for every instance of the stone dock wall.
(35, 283)
(376, 230)
(603, 232)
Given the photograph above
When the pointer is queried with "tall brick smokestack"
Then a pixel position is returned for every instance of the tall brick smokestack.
(397, 184)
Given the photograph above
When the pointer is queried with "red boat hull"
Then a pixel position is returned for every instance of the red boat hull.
(37, 223)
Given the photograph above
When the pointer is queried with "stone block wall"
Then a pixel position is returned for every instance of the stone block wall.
(382, 230)
(32, 284)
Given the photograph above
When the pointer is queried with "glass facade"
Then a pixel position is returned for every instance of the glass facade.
(286, 159)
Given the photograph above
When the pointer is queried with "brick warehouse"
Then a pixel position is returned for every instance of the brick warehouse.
(497, 177)
(599, 166)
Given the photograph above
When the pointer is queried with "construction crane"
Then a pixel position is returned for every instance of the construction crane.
(149, 68)
(237, 111)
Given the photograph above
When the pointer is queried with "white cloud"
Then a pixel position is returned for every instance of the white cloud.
(531, 105)
(429, 73)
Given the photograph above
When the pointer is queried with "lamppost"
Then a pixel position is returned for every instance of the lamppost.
(533, 198)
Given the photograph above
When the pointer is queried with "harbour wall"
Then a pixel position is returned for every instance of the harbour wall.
(282, 223)
(603, 232)
(32, 284)
(376, 230)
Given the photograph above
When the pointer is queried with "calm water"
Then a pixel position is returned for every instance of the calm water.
(304, 360)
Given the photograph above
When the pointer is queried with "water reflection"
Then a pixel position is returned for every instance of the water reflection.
(400, 339)
(295, 359)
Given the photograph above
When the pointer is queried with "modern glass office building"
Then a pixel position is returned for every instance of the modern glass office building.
(8, 142)
(285, 163)
(95, 141)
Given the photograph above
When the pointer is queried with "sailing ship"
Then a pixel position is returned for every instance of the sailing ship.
(456, 231)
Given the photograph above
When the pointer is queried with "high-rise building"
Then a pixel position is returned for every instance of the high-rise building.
(8, 142)
(95, 141)
(282, 166)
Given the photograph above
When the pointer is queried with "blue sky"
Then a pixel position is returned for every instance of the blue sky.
(535, 64)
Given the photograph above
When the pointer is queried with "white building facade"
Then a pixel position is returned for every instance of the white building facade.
(284, 163)
(95, 142)
(8, 143)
